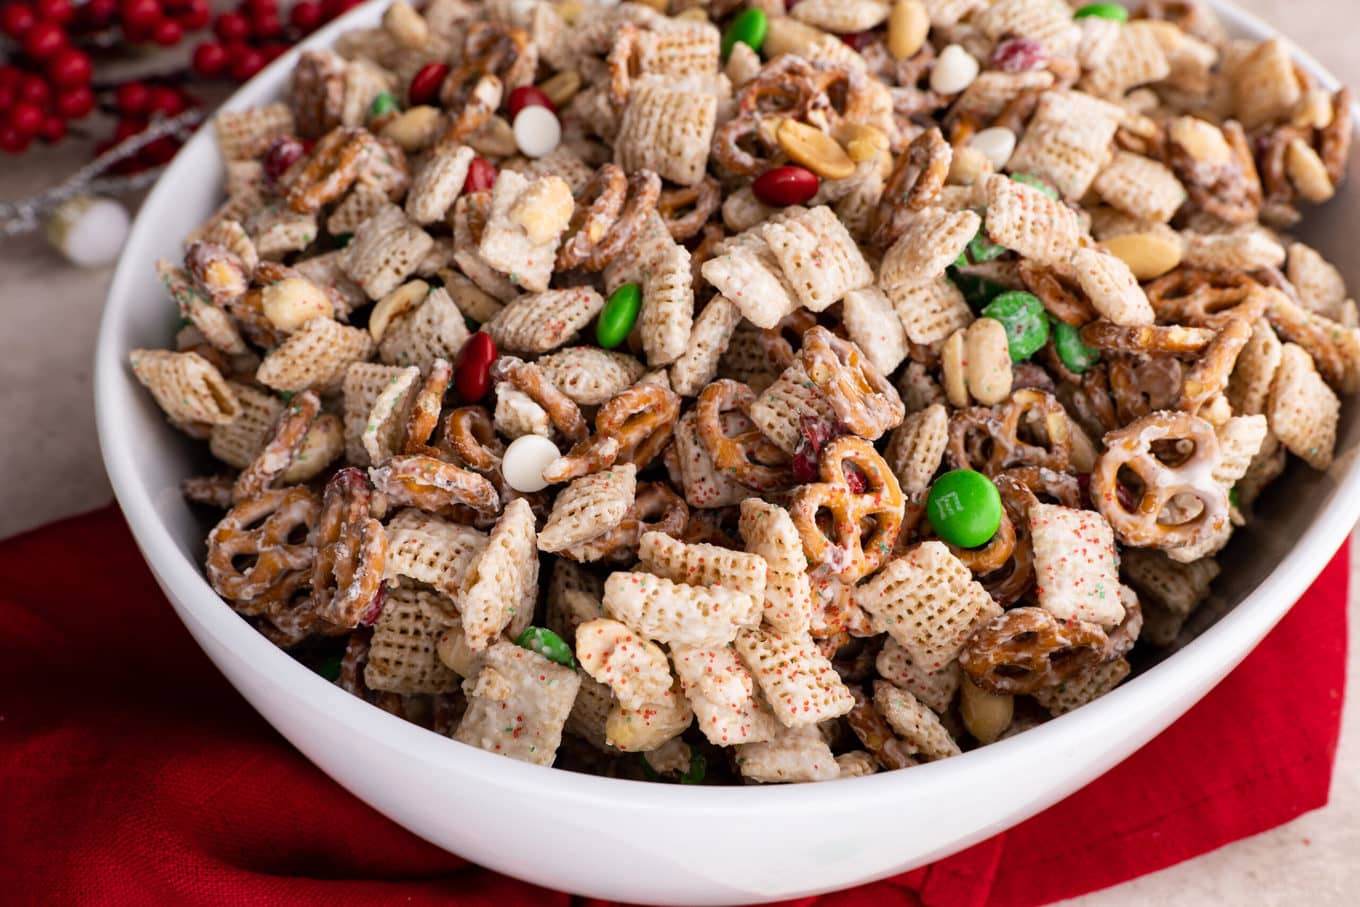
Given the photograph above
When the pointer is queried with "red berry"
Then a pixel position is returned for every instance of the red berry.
(43, 40)
(98, 12)
(814, 433)
(253, 8)
(158, 152)
(75, 103)
(784, 186)
(167, 33)
(140, 15)
(273, 50)
(12, 140)
(210, 59)
(70, 67)
(481, 175)
(27, 118)
(265, 25)
(195, 15)
(855, 480)
(127, 128)
(10, 76)
(35, 90)
(7, 95)
(282, 153)
(246, 64)
(53, 130)
(16, 18)
(858, 40)
(528, 96)
(472, 372)
(162, 99)
(425, 84)
(231, 27)
(131, 98)
(305, 16)
(58, 11)
(1019, 55)
(345, 6)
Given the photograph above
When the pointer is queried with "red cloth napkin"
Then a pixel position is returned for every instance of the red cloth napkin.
(132, 773)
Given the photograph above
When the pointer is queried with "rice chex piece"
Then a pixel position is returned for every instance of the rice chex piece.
(243, 135)
(749, 275)
(930, 311)
(386, 249)
(916, 447)
(914, 723)
(650, 726)
(929, 602)
(723, 695)
(794, 754)
(402, 657)
(934, 688)
(745, 359)
(465, 248)
(589, 375)
(1253, 374)
(315, 357)
(1160, 581)
(708, 341)
(770, 533)
(1086, 686)
(667, 130)
(1303, 410)
(948, 13)
(798, 681)
(186, 386)
(857, 764)
(573, 598)
(500, 585)
(1024, 219)
(1047, 21)
(1113, 290)
(518, 703)
(702, 564)
(1141, 187)
(819, 257)
(1320, 286)
(363, 384)
(539, 322)
(358, 205)
(216, 326)
(507, 244)
(704, 485)
(430, 550)
(634, 669)
(672, 612)
(1247, 249)
(1240, 439)
(873, 325)
(667, 313)
(276, 230)
(650, 245)
(590, 506)
(778, 410)
(932, 243)
(1067, 141)
(435, 329)
(1077, 573)
(438, 183)
(1136, 58)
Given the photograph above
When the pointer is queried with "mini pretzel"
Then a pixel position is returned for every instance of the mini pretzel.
(1146, 338)
(431, 484)
(914, 185)
(1143, 384)
(753, 459)
(631, 427)
(1131, 447)
(775, 341)
(608, 215)
(494, 59)
(730, 139)
(988, 438)
(425, 408)
(471, 435)
(1028, 649)
(529, 378)
(873, 731)
(655, 509)
(1230, 191)
(993, 555)
(702, 199)
(1335, 138)
(277, 455)
(1209, 376)
(623, 63)
(1198, 297)
(331, 169)
(351, 551)
(863, 400)
(475, 105)
(260, 527)
(848, 552)
(1060, 292)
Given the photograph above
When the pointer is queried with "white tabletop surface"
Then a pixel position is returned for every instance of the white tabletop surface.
(50, 467)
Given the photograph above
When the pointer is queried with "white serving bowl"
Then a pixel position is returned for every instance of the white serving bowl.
(654, 843)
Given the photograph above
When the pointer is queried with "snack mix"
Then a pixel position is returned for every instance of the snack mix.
(714, 393)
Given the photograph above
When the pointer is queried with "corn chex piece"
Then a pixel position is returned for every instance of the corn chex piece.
(1067, 141)
(590, 375)
(438, 183)
(1253, 374)
(465, 248)
(363, 384)
(430, 550)
(702, 564)
(650, 726)
(1160, 581)
(930, 311)
(794, 754)
(914, 723)
(798, 681)
(1136, 58)
(1047, 21)
(723, 695)
(590, 506)
(873, 325)
(745, 359)
(402, 656)
(1265, 88)
(708, 341)
(238, 442)
(634, 669)
(1247, 249)
(590, 713)
(573, 598)
(1303, 410)
(525, 226)
(749, 275)
(1239, 441)
(539, 322)
(276, 230)
(186, 386)
(1077, 574)
(667, 130)
(316, 357)
(1141, 187)
(704, 485)
(358, 205)
(500, 586)
(1113, 290)
(385, 250)
(819, 257)
(435, 329)
(667, 314)
(916, 447)
(929, 602)
(778, 410)
(1320, 286)
(1024, 219)
(243, 135)
(1086, 686)
(934, 688)
(518, 703)
(769, 532)
(672, 612)
(682, 49)
(650, 245)
(932, 243)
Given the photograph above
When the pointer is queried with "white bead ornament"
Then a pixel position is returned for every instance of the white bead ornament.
(524, 462)
(954, 70)
(997, 144)
(537, 131)
(89, 231)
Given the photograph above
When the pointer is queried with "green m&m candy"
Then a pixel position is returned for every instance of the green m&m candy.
(1112, 11)
(548, 644)
(382, 105)
(1074, 354)
(964, 508)
(1035, 183)
(617, 316)
(749, 27)
(1025, 321)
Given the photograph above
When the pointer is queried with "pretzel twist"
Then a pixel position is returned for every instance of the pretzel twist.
(278, 453)
(655, 509)
(1175, 339)
(873, 731)
(848, 552)
(913, 186)
(631, 427)
(864, 401)
(434, 485)
(988, 438)
(1057, 288)
(607, 217)
(702, 199)
(259, 529)
(471, 435)
(425, 408)
(351, 551)
(1199, 297)
(1028, 649)
(331, 169)
(530, 380)
(753, 459)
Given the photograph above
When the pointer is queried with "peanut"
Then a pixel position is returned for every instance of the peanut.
(324, 441)
(292, 302)
(561, 87)
(415, 129)
(1308, 173)
(1201, 139)
(952, 369)
(544, 209)
(908, 25)
(986, 715)
(861, 142)
(987, 361)
(406, 25)
(394, 305)
(815, 150)
(1148, 255)
(495, 139)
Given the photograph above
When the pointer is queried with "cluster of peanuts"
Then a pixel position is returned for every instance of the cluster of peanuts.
(723, 569)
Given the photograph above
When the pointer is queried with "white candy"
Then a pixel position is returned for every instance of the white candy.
(524, 462)
(89, 231)
(537, 131)
(955, 69)
(997, 144)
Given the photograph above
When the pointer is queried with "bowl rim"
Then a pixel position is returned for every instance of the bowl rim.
(1221, 646)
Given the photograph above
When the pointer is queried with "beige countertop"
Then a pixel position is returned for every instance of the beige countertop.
(50, 467)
